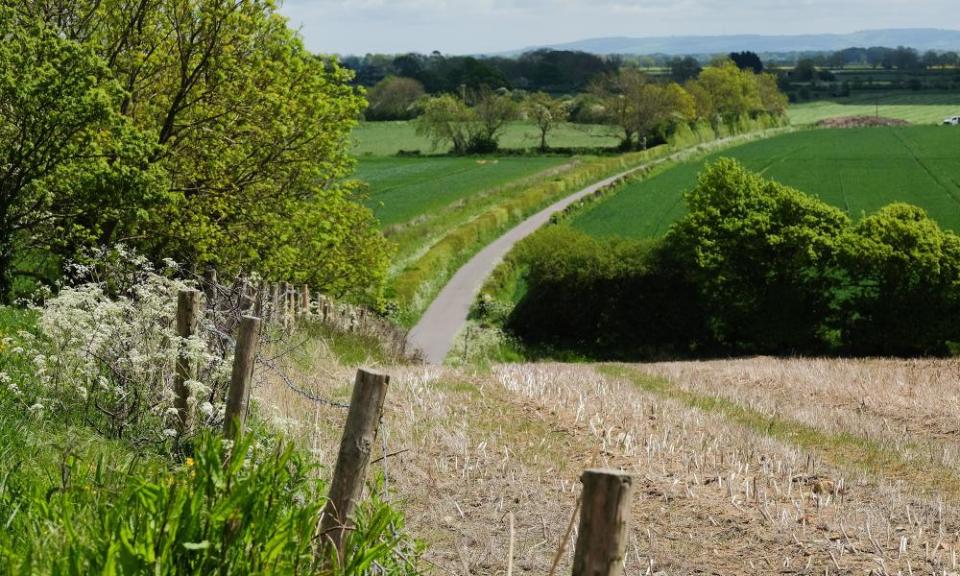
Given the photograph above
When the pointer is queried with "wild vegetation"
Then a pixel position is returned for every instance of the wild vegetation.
(753, 267)
(202, 131)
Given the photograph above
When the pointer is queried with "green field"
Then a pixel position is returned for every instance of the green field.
(859, 170)
(403, 188)
(388, 138)
(914, 107)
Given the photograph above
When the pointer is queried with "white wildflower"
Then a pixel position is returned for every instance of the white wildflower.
(206, 409)
(170, 433)
(38, 407)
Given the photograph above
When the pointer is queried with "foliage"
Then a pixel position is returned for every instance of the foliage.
(394, 98)
(754, 267)
(621, 298)
(74, 170)
(248, 126)
(447, 120)
(104, 353)
(112, 511)
(546, 112)
(727, 92)
(493, 111)
(759, 253)
(903, 278)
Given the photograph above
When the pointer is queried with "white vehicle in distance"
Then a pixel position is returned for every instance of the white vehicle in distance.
(952, 121)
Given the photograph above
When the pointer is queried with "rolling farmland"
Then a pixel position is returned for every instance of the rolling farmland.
(859, 170)
(917, 108)
(388, 138)
(403, 188)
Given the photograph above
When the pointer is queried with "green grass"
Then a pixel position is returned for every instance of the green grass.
(914, 107)
(859, 170)
(401, 189)
(388, 138)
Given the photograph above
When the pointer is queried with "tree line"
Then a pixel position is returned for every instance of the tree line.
(200, 130)
(646, 110)
(754, 267)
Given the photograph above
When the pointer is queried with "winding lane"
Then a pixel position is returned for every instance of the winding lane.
(439, 326)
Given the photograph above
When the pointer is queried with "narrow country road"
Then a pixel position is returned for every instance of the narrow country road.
(439, 326)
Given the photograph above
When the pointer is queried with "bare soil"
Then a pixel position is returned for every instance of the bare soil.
(860, 122)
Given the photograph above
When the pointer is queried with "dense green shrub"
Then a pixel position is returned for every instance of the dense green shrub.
(606, 298)
(760, 254)
(902, 284)
(754, 267)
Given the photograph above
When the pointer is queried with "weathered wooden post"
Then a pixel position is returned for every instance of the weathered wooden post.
(285, 304)
(210, 289)
(305, 300)
(244, 358)
(359, 435)
(274, 302)
(188, 314)
(604, 516)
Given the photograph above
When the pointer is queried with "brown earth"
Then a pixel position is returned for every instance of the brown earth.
(860, 122)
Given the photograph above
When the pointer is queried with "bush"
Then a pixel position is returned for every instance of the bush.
(759, 253)
(620, 299)
(754, 267)
(903, 284)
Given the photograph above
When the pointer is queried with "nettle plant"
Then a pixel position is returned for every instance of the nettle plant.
(105, 351)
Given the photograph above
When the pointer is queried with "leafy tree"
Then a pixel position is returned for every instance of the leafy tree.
(772, 100)
(251, 129)
(447, 120)
(759, 253)
(493, 111)
(747, 61)
(804, 71)
(639, 106)
(74, 171)
(733, 92)
(394, 98)
(903, 284)
(546, 112)
(683, 69)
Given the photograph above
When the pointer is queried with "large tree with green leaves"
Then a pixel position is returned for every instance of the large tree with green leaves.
(73, 171)
(251, 128)
(761, 254)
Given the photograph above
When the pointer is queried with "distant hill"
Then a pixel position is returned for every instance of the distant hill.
(919, 38)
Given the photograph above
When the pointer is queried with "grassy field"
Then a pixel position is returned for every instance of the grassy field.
(401, 189)
(388, 138)
(859, 170)
(914, 107)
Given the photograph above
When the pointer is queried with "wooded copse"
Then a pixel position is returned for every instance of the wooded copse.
(755, 267)
(647, 110)
(198, 130)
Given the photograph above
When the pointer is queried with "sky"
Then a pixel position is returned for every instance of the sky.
(489, 26)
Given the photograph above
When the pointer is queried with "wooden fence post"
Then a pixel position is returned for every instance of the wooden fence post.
(244, 358)
(188, 314)
(274, 303)
(305, 300)
(359, 435)
(604, 516)
(210, 289)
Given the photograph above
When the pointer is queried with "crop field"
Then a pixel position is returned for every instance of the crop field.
(917, 108)
(401, 189)
(737, 470)
(388, 138)
(859, 170)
